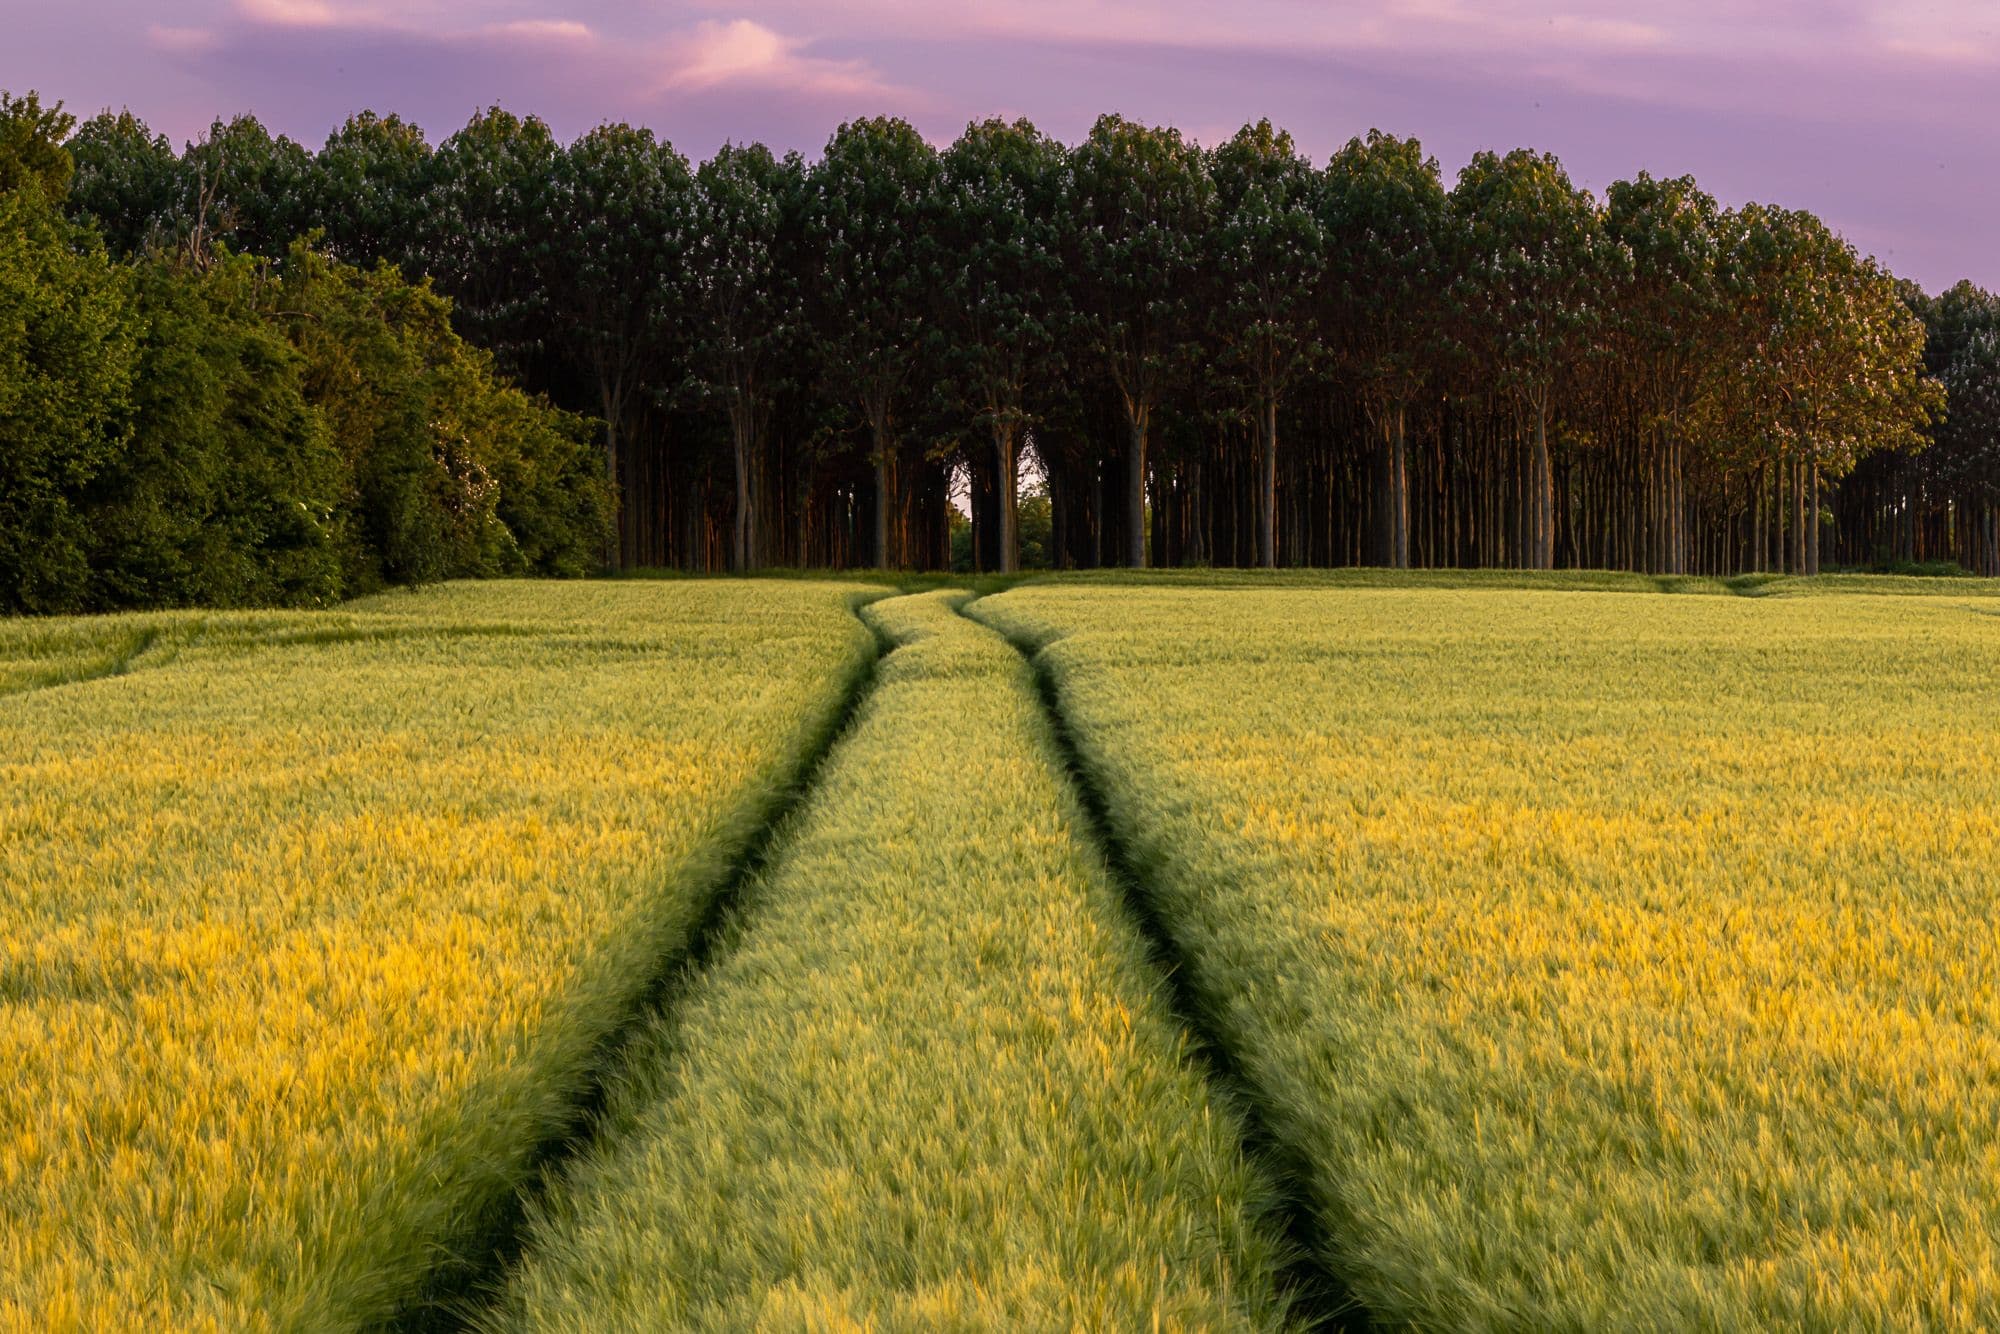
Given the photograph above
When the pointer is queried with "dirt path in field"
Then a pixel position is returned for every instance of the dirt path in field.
(463, 1287)
(1321, 1299)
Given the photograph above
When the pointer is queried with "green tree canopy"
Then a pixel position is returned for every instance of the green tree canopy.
(488, 232)
(1269, 252)
(1383, 211)
(66, 365)
(864, 208)
(996, 254)
(31, 146)
(129, 184)
(744, 311)
(1138, 203)
(368, 192)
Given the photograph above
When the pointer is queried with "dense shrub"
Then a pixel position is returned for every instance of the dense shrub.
(66, 361)
(190, 427)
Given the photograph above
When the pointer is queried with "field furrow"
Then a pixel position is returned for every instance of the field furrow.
(930, 1081)
(315, 926)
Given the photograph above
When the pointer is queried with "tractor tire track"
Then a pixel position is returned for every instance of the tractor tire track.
(465, 1284)
(1320, 1298)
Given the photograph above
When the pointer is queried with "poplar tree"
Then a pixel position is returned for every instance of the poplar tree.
(1531, 275)
(369, 192)
(744, 310)
(1269, 251)
(1000, 289)
(129, 184)
(1137, 205)
(488, 227)
(865, 205)
(614, 269)
(1662, 334)
(245, 188)
(1384, 216)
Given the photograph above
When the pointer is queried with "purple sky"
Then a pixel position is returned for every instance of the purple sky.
(1879, 115)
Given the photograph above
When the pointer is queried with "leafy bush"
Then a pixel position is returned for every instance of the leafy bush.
(66, 360)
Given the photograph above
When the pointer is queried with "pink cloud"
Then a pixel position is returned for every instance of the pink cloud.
(743, 53)
(292, 13)
(557, 30)
(182, 41)
(1803, 29)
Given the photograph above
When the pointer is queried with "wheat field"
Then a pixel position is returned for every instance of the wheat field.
(312, 920)
(931, 1083)
(1615, 961)
(1597, 957)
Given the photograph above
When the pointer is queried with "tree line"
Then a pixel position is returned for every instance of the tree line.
(1228, 355)
(185, 425)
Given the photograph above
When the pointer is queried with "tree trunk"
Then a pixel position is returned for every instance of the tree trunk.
(1267, 482)
(1760, 509)
(1799, 519)
(1198, 541)
(1677, 498)
(1393, 494)
(743, 554)
(1007, 462)
(885, 495)
(1400, 451)
(1135, 491)
(1812, 520)
(1540, 505)
(614, 461)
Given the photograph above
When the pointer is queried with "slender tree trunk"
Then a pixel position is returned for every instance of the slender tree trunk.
(614, 460)
(1760, 508)
(1135, 489)
(1541, 496)
(1399, 451)
(1399, 488)
(1390, 465)
(1799, 517)
(1810, 529)
(743, 554)
(1267, 482)
(1682, 540)
(1198, 539)
(1007, 464)
(886, 556)
(1059, 515)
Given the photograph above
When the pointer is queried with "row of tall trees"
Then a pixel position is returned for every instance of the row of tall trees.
(193, 427)
(1227, 355)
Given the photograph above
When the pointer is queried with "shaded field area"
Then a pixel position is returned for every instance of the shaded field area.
(1609, 960)
(313, 923)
